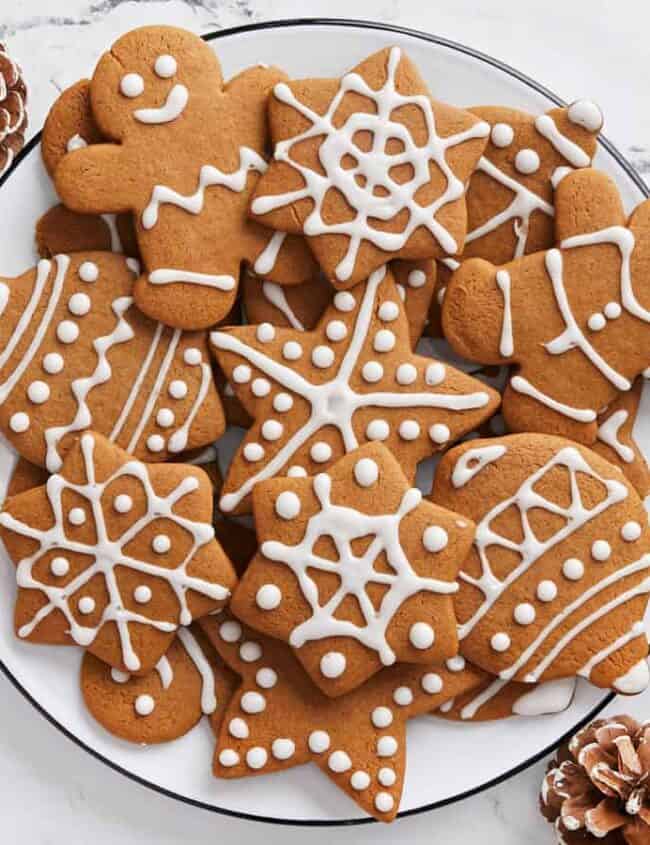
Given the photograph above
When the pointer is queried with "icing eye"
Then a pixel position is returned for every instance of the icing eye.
(132, 85)
(165, 66)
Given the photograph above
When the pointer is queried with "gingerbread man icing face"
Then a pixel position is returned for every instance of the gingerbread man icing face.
(187, 153)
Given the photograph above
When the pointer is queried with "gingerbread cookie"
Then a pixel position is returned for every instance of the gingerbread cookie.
(558, 580)
(369, 167)
(278, 719)
(78, 355)
(317, 395)
(190, 680)
(60, 230)
(69, 125)
(354, 570)
(184, 157)
(114, 555)
(573, 318)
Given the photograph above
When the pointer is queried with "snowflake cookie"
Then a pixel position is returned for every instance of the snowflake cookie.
(278, 719)
(185, 153)
(369, 167)
(115, 555)
(354, 570)
(574, 318)
(317, 395)
(559, 576)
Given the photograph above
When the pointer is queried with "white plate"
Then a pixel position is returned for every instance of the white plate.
(472, 757)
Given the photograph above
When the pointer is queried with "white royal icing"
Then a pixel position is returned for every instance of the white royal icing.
(473, 461)
(276, 295)
(608, 433)
(172, 108)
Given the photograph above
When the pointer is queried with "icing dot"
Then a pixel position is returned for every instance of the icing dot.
(318, 741)
(339, 762)
(386, 776)
(297, 472)
(322, 357)
(612, 310)
(320, 452)
(228, 758)
(178, 389)
(120, 677)
(266, 678)
(38, 392)
(86, 605)
(241, 374)
(455, 664)
(122, 503)
(524, 613)
(439, 433)
(384, 802)
(336, 330)
(344, 301)
(287, 505)
(265, 333)
(546, 591)
(144, 705)
(377, 430)
(89, 272)
(388, 311)
(381, 717)
(161, 544)
(19, 422)
(435, 373)
(601, 550)
(79, 304)
(67, 331)
(165, 417)
(366, 472)
(53, 363)
(291, 350)
(283, 749)
(282, 403)
(59, 566)
(253, 452)
(268, 597)
(431, 683)
(332, 664)
(230, 631)
(252, 702)
(406, 374)
(416, 278)
(527, 161)
(403, 696)
(384, 341)
(435, 538)
(386, 746)
(586, 114)
(238, 728)
(155, 443)
(421, 635)
(77, 516)
(272, 430)
(631, 531)
(500, 641)
(75, 143)
(250, 651)
(573, 569)
(596, 322)
(142, 594)
(165, 66)
(360, 780)
(192, 356)
(132, 85)
(409, 430)
(372, 371)
(256, 757)
(502, 135)
(261, 387)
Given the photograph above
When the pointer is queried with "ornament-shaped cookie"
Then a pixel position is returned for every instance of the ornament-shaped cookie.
(558, 581)
(574, 319)
(114, 555)
(368, 167)
(183, 154)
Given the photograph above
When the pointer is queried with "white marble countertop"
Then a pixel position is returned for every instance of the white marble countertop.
(53, 791)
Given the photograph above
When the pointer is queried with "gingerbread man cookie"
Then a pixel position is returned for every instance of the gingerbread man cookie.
(369, 167)
(574, 318)
(558, 581)
(317, 395)
(184, 155)
(115, 555)
(354, 570)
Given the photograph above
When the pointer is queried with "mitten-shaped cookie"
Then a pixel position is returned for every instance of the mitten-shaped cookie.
(184, 155)
(369, 167)
(558, 581)
(575, 318)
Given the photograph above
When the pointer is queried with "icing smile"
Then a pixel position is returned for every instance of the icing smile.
(173, 107)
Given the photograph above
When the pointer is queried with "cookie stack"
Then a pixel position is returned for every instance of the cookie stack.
(356, 603)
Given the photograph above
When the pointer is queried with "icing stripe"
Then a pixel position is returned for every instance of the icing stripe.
(567, 148)
(608, 434)
(637, 630)
(169, 276)
(165, 671)
(474, 705)
(116, 241)
(276, 295)
(195, 653)
(173, 107)
(522, 385)
(506, 346)
(265, 261)
(42, 273)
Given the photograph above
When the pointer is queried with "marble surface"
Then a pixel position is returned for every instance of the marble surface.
(53, 791)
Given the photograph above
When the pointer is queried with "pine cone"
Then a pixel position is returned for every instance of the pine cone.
(598, 788)
(13, 115)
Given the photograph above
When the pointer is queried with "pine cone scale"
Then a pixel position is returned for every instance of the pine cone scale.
(13, 113)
